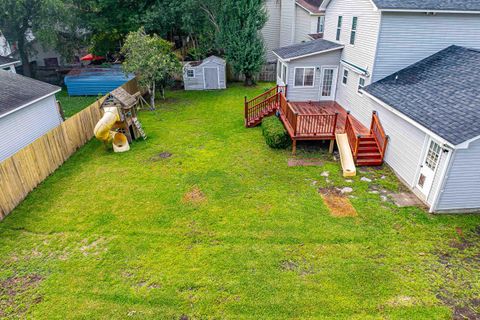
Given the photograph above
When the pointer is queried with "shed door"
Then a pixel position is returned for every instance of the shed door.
(211, 78)
(429, 167)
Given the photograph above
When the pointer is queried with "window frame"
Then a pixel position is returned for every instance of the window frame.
(353, 31)
(321, 22)
(282, 72)
(339, 28)
(194, 73)
(345, 77)
(359, 87)
(304, 73)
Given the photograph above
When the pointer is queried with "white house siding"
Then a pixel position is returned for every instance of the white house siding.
(271, 30)
(310, 93)
(287, 25)
(407, 38)
(461, 189)
(304, 25)
(24, 126)
(362, 54)
(406, 144)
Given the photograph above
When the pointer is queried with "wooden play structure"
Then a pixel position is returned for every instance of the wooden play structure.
(119, 123)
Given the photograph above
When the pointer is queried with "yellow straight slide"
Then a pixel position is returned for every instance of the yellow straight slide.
(346, 157)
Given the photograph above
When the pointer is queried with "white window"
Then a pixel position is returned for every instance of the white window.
(433, 155)
(339, 27)
(304, 77)
(353, 34)
(361, 84)
(321, 24)
(190, 73)
(345, 77)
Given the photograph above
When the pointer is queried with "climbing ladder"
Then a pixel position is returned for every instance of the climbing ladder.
(138, 125)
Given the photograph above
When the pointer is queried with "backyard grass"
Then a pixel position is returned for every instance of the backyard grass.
(204, 221)
(74, 104)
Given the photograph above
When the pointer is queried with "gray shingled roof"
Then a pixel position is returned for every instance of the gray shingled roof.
(447, 5)
(306, 48)
(6, 60)
(17, 91)
(440, 92)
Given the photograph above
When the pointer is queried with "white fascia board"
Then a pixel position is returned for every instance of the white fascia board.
(30, 103)
(410, 120)
(310, 54)
(429, 11)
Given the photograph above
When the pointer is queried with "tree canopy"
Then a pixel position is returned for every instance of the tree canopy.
(151, 58)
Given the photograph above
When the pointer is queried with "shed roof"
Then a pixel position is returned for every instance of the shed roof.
(306, 48)
(434, 5)
(17, 91)
(7, 61)
(439, 92)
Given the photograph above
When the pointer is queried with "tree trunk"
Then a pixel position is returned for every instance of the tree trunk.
(248, 80)
(152, 96)
(27, 70)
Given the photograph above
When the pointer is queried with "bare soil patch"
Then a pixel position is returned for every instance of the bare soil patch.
(195, 195)
(304, 163)
(15, 295)
(338, 205)
(161, 156)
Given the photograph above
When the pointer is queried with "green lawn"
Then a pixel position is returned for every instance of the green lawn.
(113, 236)
(74, 104)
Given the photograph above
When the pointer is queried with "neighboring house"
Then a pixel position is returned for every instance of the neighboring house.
(371, 58)
(8, 64)
(28, 110)
(292, 21)
(208, 74)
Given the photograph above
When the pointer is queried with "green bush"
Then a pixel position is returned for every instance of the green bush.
(275, 134)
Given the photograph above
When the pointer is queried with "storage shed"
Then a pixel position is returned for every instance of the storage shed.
(95, 81)
(208, 74)
(28, 110)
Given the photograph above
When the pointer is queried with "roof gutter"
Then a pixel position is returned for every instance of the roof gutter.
(307, 55)
(30, 103)
(358, 69)
(9, 64)
(430, 11)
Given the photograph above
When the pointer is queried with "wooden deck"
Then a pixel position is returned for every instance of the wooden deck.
(328, 108)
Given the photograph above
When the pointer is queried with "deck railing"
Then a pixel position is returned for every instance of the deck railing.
(316, 124)
(256, 106)
(353, 138)
(378, 133)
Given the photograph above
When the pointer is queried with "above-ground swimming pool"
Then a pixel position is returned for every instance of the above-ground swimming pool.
(95, 81)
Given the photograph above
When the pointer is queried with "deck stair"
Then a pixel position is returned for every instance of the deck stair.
(368, 150)
(262, 106)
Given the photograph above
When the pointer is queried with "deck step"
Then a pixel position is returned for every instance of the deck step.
(368, 162)
(368, 149)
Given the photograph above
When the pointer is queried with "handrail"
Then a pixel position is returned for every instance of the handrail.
(353, 138)
(376, 129)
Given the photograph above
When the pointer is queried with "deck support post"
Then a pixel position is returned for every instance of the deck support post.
(294, 147)
(332, 145)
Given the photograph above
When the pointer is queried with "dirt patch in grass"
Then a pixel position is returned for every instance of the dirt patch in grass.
(161, 156)
(336, 202)
(458, 275)
(195, 195)
(302, 267)
(16, 295)
(304, 163)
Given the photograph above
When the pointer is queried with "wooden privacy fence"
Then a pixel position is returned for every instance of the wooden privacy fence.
(23, 171)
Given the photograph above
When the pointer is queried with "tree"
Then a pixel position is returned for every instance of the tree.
(240, 25)
(52, 22)
(152, 60)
